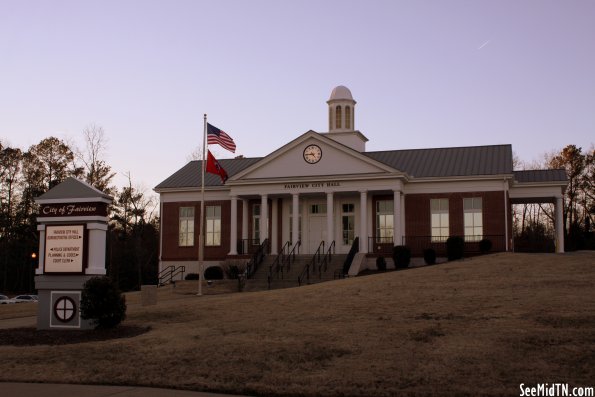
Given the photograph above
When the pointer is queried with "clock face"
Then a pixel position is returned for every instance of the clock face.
(312, 154)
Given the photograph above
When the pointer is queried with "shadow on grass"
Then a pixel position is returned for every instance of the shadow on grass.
(34, 337)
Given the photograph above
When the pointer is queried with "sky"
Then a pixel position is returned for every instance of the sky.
(424, 74)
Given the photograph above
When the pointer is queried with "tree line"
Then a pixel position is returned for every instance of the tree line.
(133, 234)
(534, 223)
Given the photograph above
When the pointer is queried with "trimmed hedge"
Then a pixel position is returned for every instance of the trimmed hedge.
(214, 273)
(401, 256)
(381, 263)
(455, 248)
(485, 246)
(430, 256)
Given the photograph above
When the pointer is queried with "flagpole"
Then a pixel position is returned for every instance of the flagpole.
(201, 237)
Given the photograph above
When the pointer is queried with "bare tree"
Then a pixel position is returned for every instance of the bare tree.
(96, 171)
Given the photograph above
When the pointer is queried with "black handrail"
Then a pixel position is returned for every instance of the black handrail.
(286, 262)
(167, 274)
(311, 265)
(328, 256)
(354, 250)
(257, 258)
(276, 265)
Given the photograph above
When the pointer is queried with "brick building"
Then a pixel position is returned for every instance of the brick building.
(339, 191)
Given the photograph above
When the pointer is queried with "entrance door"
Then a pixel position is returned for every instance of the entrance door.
(316, 232)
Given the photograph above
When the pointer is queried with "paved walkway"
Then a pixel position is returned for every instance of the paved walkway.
(59, 390)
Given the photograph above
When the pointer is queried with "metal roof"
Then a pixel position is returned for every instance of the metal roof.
(191, 174)
(537, 176)
(417, 163)
(445, 162)
(72, 188)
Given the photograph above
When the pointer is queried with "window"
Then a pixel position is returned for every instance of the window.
(256, 224)
(384, 221)
(318, 209)
(338, 117)
(186, 229)
(330, 118)
(439, 214)
(347, 117)
(472, 213)
(213, 234)
(347, 223)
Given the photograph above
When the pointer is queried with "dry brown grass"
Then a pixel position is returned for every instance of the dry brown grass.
(473, 327)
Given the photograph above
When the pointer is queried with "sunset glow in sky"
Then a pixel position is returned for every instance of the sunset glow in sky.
(423, 73)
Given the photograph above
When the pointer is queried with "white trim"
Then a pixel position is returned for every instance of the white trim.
(74, 200)
(77, 308)
(73, 219)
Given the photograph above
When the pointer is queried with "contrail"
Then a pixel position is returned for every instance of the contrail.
(483, 45)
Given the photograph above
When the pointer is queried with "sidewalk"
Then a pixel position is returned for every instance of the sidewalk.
(61, 390)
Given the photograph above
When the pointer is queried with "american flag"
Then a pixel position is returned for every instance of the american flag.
(215, 136)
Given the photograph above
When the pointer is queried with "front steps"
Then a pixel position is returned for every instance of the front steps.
(288, 279)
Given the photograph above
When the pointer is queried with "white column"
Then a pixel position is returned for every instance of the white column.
(330, 235)
(244, 219)
(397, 233)
(559, 225)
(264, 217)
(96, 248)
(402, 220)
(295, 214)
(363, 220)
(40, 257)
(274, 221)
(233, 230)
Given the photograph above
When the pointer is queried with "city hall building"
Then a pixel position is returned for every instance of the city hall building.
(325, 186)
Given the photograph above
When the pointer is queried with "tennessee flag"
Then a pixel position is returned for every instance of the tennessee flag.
(214, 167)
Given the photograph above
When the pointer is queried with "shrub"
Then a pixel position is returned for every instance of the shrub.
(214, 273)
(102, 303)
(401, 256)
(455, 247)
(381, 263)
(430, 256)
(192, 276)
(232, 272)
(485, 245)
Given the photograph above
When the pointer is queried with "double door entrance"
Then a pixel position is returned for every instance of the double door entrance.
(314, 223)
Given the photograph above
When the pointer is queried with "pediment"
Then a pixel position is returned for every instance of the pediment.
(336, 159)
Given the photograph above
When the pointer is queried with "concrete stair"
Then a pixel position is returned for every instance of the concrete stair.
(289, 278)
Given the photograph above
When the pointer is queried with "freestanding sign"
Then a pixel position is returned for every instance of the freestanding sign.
(72, 225)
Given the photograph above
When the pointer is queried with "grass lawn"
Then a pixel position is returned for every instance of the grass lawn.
(480, 326)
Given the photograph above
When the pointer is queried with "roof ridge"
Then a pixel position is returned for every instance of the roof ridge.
(439, 148)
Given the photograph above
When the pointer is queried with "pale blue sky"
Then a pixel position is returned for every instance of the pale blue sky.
(424, 74)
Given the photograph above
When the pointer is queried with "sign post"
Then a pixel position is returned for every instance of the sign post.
(72, 224)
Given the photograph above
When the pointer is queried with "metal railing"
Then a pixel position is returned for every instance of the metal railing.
(312, 264)
(328, 257)
(417, 244)
(381, 245)
(167, 274)
(285, 264)
(257, 258)
(277, 265)
(248, 246)
(347, 264)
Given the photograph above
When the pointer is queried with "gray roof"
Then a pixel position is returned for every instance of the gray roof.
(444, 162)
(417, 163)
(530, 176)
(190, 175)
(72, 188)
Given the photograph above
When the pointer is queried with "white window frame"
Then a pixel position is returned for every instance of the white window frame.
(213, 219)
(439, 219)
(473, 218)
(186, 227)
(384, 212)
(347, 239)
(256, 224)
